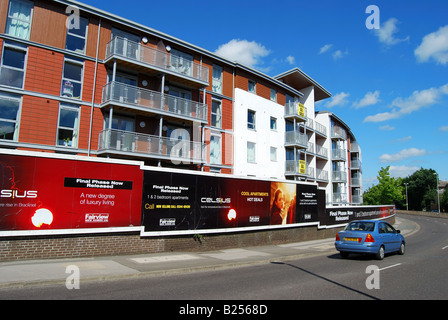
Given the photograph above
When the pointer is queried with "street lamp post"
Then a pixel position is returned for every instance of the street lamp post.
(437, 190)
(407, 202)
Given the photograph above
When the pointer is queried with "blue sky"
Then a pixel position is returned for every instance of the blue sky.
(389, 85)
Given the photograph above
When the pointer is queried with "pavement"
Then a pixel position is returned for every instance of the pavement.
(62, 271)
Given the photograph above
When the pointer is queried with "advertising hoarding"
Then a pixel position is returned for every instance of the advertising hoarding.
(175, 201)
(38, 193)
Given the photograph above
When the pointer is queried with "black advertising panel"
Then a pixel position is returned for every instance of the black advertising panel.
(308, 203)
(175, 201)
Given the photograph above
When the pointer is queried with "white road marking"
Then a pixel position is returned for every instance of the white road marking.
(444, 247)
(395, 265)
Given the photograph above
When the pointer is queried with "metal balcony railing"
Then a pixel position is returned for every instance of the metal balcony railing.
(339, 176)
(338, 155)
(156, 59)
(295, 109)
(296, 138)
(132, 143)
(119, 93)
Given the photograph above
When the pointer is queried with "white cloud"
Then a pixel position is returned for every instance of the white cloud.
(386, 33)
(369, 99)
(444, 129)
(402, 171)
(339, 99)
(387, 128)
(291, 60)
(403, 154)
(325, 48)
(338, 54)
(416, 101)
(245, 52)
(404, 139)
(434, 46)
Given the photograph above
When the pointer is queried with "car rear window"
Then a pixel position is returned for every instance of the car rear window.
(360, 226)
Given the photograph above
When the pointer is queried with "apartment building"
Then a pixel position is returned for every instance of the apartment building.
(77, 80)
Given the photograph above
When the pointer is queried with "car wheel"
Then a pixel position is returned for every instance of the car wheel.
(402, 249)
(380, 253)
(344, 255)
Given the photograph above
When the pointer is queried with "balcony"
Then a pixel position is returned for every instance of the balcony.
(320, 129)
(355, 182)
(135, 144)
(339, 198)
(339, 176)
(357, 199)
(294, 138)
(321, 152)
(322, 175)
(136, 98)
(295, 110)
(338, 134)
(338, 155)
(355, 164)
(298, 168)
(141, 57)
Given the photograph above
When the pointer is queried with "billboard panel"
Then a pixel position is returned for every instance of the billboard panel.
(175, 201)
(39, 193)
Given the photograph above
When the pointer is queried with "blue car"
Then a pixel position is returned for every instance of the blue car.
(371, 237)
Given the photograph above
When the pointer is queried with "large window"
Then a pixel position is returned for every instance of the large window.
(217, 79)
(18, 23)
(215, 149)
(12, 68)
(77, 37)
(250, 119)
(9, 115)
(68, 125)
(216, 114)
(251, 152)
(72, 78)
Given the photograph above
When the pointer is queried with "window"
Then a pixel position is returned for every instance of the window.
(9, 115)
(12, 69)
(18, 23)
(68, 126)
(252, 85)
(216, 114)
(76, 37)
(251, 152)
(215, 149)
(72, 78)
(217, 79)
(250, 119)
(274, 95)
(273, 123)
(273, 154)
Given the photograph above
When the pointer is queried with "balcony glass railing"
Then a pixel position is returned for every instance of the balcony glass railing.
(296, 138)
(111, 140)
(295, 109)
(339, 176)
(115, 92)
(339, 154)
(156, 59)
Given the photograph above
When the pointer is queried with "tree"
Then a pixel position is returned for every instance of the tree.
(387, 191)
(421, 189)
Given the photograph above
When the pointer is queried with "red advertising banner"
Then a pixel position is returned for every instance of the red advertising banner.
(39, 193)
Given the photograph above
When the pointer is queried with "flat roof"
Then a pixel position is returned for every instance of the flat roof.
(298, 79)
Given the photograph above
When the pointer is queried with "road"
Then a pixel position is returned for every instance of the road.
(421, 273)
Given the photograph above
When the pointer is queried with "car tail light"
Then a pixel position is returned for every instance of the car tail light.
(369, 238)
(337, 237)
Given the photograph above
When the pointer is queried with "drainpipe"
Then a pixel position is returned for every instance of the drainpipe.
(94, 89)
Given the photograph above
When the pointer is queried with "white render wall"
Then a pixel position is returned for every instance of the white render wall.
(263, 137)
